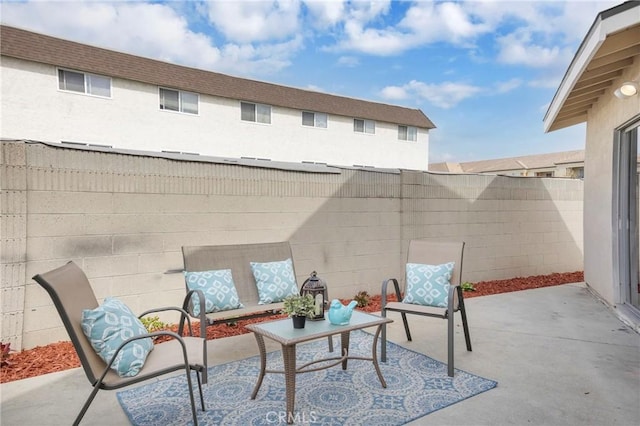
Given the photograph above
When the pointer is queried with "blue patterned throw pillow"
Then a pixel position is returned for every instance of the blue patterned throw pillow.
(275, 280)
(220, 292)
(110, 324)
(428, 285)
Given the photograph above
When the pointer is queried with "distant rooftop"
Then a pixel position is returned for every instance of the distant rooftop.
(527, 162)
(30, 46)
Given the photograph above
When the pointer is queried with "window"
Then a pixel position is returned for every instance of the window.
(544, 174)
(364, 126)
(255, 112)
(314, 119)
(407, 133)
(91, 84)
(576, 172)
(177, 100)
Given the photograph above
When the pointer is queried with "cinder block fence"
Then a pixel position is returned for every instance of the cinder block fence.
(123, 217)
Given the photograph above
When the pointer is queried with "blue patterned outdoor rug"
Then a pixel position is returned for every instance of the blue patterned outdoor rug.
(416, 386)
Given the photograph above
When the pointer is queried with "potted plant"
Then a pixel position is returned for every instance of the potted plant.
(299, 308)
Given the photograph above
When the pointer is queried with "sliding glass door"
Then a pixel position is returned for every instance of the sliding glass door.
(626, 207)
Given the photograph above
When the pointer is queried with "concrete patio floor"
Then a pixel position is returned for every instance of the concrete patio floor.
(560, 356)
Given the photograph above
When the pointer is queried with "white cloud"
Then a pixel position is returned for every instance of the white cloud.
(258, 38)
(358, 36)
(247, 59)
(152, 30)
(394, 93)
(507, 86)
(348, 61)
(444, 95)
(365, 11)
(374, 41)
(529, 33)
(456, 23)
(255, 21)
(325, 13)
(518, 49)
(451, 22)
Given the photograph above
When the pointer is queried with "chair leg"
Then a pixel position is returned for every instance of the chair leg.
(406, 325)
(383, 341)
(193, 402)
(465, 324)
(450, 321)
(200, 390)
(85, 407)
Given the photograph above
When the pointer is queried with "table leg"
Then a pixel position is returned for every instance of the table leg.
(263, 364)
(374, 353)
(289, 358)
(344, 341)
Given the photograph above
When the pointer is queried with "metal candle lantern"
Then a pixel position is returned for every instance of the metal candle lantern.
(317, 288)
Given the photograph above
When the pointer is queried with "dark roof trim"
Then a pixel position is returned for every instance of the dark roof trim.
(30, 46)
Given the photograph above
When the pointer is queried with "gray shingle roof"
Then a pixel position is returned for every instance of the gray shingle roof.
(41, 48)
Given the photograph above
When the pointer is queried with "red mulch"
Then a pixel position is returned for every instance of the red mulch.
(62, 356)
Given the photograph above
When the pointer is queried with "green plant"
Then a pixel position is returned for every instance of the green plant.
(363, 298)
(299, 306)
(467, 286)
(5, 348)
(153, 324)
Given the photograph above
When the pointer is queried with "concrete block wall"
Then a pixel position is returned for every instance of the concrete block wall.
(512, 226)
(124, 218)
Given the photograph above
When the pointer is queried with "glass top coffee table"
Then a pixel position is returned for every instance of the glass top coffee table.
(282, 331)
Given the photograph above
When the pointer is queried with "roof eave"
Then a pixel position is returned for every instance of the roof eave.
(607, 22)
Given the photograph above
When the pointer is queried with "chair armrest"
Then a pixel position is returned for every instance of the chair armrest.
(453, 297)
(383, 293)
(186, 307)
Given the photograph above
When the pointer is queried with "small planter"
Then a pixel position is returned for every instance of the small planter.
(299, 321)
(299, 308)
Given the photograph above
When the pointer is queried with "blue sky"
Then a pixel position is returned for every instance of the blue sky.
(483, 71)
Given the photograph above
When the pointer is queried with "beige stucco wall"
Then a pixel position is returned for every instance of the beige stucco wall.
(605, 116)
(33, 108)
(123, 219)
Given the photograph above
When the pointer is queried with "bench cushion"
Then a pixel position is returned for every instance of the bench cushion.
(275, 280)
(218, 287)
(238, 258)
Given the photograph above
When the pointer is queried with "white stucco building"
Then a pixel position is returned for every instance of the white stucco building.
(608, 60)
(57, 90)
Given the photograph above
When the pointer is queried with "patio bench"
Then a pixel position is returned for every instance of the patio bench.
(237, 258)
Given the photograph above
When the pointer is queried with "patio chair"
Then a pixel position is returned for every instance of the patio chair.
(71, 293)
(426, 252)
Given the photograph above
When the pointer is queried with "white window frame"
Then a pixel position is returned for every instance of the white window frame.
(368, 126)
(407, 133)
(183, 105)
(261, 113)
(320, 119)
(88, 81)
